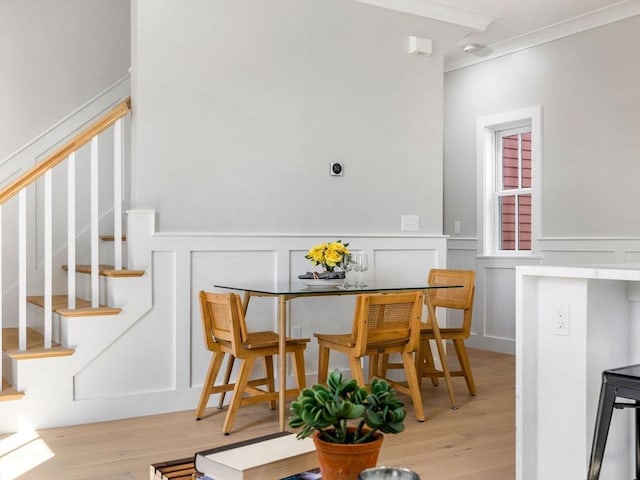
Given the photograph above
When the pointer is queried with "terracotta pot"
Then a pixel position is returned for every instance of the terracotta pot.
(339, 461)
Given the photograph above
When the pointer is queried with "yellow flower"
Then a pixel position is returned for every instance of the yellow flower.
(329, 255)
(332, 257)
(338, 247)
(316, 254)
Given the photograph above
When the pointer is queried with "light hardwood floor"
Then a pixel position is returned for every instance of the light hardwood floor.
(477, 441)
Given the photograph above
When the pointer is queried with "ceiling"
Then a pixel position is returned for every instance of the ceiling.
(504, 26)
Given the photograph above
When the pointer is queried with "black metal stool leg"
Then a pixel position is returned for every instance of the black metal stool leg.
(603, 420)
(637, 436)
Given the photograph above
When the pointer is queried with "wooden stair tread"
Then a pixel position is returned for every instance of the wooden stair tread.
(83, 307)
(107, 271)
(8, 392)
(35, 345)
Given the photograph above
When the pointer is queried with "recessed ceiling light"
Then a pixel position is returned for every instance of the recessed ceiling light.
(472, 47)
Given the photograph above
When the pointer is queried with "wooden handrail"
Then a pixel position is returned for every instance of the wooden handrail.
(63, 152)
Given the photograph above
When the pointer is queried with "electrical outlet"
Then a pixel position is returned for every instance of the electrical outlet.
(456, 226)
(561, 319)
(296, 331)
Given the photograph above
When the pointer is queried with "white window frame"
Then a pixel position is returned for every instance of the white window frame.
(487, 205)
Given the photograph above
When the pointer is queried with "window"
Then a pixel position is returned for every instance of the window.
(508, 169)
(513, 192)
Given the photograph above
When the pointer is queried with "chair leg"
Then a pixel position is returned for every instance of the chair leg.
(445, 370)
(323, 364)
(209, 381)
(424, 359)
(419, 361)
(236, 400)
(384, 361)
(271, 385)
(431, 364)
(375, 366)
(414, 385)
(227, 377)
(298, 364)
(356, 370)
(465, 366)
(601, 431)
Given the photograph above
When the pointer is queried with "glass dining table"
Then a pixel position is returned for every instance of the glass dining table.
(296, 289)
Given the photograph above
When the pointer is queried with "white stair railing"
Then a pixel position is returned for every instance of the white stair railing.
(22, 269)
(48, 256)
(71, 230)
(117, 193)
(19, 188)
(95, 230)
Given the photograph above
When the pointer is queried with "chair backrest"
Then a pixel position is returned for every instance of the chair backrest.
(387, 318)
(458, 298)
(222, 320)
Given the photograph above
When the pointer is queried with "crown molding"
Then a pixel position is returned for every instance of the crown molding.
(597, 18)
(436, 11)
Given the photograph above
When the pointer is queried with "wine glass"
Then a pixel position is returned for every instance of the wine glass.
(360, 265)
(363, 264)
(347, 265)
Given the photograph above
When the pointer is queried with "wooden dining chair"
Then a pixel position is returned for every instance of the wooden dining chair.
(460, 299)
(226, 333)
(383, 323)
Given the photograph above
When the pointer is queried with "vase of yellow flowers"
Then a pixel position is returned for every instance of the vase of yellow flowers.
(329, 256)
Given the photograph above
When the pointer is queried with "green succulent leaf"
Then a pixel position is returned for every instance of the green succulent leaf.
(351, 411)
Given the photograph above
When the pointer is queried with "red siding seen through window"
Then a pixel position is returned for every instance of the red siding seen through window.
(516, 174)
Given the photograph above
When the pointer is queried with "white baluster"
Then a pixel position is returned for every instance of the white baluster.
(22, 269)
(117, 194)
(48, 258)
(71, 231)
(95, 286)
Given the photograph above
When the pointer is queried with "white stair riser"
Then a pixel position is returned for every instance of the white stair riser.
(107, 253)
(83, 287)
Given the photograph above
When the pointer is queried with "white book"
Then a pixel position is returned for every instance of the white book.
(270, 457)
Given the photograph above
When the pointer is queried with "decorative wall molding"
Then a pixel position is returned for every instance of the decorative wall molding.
(437, 11)
(597, 18)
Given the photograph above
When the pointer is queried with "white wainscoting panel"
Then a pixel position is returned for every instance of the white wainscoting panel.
(204, 260)
(151, 345)
(494, 307)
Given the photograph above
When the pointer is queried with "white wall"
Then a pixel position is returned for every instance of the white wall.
(54, 56)
(587, 86)
(241, 107)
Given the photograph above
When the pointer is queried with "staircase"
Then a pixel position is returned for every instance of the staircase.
(66, 307)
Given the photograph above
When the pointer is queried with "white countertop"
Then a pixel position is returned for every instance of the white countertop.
(616, 271)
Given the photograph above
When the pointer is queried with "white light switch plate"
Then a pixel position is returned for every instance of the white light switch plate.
(409, 223)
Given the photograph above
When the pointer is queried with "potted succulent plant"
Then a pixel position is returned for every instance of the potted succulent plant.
(347, 422)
